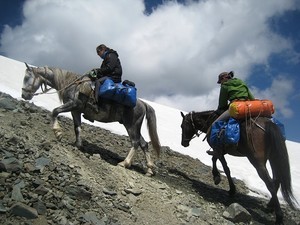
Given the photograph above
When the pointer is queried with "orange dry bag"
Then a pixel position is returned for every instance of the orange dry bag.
(251, 108)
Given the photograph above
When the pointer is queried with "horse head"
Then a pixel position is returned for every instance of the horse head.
(187, 128)
(35, 78)
(31, 83)
(193, 123)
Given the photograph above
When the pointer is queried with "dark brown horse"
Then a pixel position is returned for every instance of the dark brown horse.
(260, 140)
(74, 91)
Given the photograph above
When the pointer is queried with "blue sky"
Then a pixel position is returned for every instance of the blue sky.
(173, 50)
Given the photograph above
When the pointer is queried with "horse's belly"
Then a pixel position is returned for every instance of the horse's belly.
(106, 114)
(233, 150)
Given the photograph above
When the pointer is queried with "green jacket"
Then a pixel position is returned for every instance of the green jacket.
(233, 89)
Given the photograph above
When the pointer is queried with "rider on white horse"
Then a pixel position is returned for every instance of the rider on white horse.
(110, 67)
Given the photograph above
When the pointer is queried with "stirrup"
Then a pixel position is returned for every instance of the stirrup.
(210, 152)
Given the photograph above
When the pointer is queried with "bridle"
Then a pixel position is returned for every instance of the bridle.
(43, 85)
(196, 131)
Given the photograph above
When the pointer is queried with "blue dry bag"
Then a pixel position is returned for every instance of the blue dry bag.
(123, 94)
(223, 132)
(232, 131)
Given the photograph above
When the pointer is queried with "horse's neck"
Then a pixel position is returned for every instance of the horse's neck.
(47, 75)
(57, 78)
(202, 122)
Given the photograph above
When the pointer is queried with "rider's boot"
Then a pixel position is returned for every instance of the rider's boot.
(217, 152)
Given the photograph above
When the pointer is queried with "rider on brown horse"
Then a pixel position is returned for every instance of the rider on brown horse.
(231, 89)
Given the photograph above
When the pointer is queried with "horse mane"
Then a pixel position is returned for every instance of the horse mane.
(207, 112)
(62, 79)
(205, 118)
(204, 113)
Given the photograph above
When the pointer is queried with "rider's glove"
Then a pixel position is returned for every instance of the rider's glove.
(92, 74)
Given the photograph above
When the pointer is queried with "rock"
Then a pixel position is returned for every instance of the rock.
(7, 104)
(20, 209)
(133, 191)
(41, 162)
(2, 208)
(40, 207)
(10, 165)
(92, 218)
(109, 192)
(237, 214)
(79, 193)
(16, 194)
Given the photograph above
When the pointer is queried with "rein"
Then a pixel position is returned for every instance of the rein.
(197, 131)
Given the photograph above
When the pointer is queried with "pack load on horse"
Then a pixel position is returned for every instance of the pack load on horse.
(76, 92)
(124, 93)
(251, 108)
(258, 138)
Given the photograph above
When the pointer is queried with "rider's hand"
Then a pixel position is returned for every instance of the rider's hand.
(92, 74)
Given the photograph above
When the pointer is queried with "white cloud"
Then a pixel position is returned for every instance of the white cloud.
(174, 55)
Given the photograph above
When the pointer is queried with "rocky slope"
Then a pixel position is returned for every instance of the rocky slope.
(44, 181)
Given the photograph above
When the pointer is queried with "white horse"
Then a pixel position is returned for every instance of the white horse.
(76, 93)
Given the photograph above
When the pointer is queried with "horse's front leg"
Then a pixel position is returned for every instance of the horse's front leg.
(215, 171)
(69, 106)
(232, 189)
(128, 160)
(77, 128)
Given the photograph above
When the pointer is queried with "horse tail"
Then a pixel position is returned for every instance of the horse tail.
(280, 160)
(152, 128)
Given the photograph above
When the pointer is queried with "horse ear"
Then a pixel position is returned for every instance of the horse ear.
(182, 114)
(28, 67)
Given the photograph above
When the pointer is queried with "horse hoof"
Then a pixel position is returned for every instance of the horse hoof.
(78, 145)
(149, 173)
(217, 180)
(124, 164)
(121, 164)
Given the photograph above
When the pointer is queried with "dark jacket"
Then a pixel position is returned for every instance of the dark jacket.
(111, 66)
(233, 89)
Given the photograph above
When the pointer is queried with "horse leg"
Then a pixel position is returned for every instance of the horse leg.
(232, 189)
(69, 106)
(276, 182)
(271, 203)
(56, 128)
(150, 164)
(128, 160)
(77, 128)
(273, 188)
(215, 171)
